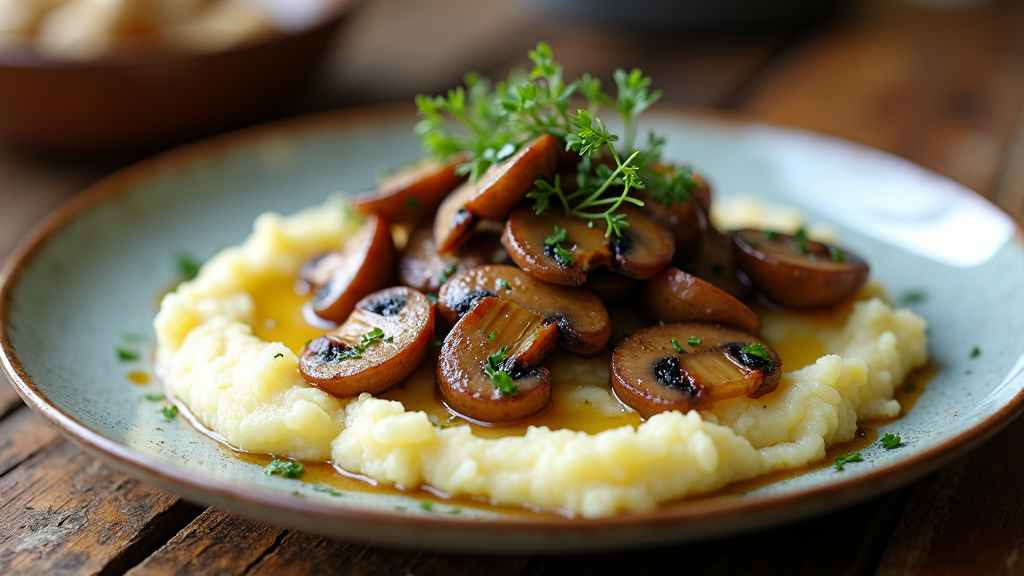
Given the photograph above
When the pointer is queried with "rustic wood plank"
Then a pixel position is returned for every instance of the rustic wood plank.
(23, 434)
(967, 518)
(9, 399)
(941, 87)
(65, 513)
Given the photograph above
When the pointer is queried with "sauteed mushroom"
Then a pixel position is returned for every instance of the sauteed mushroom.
(797, 272)
(365, 265)
(562, 250)
(411, 194)
(690, 366)
(675, 296)
(384, 339)
(610, 287)
(580, 316)
(714, 263)
(487, 369)
(685, 219)
(499, 189)
(422, 268)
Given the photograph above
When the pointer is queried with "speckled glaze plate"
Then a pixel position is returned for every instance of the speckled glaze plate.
(95, 269)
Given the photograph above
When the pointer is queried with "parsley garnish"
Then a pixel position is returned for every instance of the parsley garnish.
(756, 349)
(169, 412)
(564, 256)
(502, 380)
(432, 297)
(286, 468)
(355, 351)
(412, 203)
(842, 460)
(801, 241)
(771, 235)
(455, 510)
(126, 355)
(693, 341)
(975, 352)
(890, 441)
(914, 296)
(326, 489)
(187, 265)
(677, 346)
(427, 505)
(661, 322)
(492, 336)
(502, 283)
(836, 255)
(559, 236)
(155, 397)
(446, 273)
(278, 355)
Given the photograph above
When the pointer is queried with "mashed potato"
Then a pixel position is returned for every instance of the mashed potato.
(250, 392)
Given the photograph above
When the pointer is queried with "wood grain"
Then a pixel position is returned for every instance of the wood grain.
(940, 87)
(66, 513)
(22, 434)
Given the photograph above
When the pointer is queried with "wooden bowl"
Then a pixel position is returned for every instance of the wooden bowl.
(143, 99)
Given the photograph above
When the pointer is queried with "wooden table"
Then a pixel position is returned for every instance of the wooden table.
(942, 88)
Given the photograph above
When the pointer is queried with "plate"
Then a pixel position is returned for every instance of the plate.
(94, 271)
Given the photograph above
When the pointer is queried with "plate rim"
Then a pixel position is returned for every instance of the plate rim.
(177, 479)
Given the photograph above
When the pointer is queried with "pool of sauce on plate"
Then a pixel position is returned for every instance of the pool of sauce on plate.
(139, 377)
(279, 318)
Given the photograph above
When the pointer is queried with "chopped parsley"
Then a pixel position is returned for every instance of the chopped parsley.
(372, 337)
(455, 510)
(975, 352)
(771, 235)
(914, 296)
(846, 459)
(564, 256)
(432, 297)
(501, 379)
(132, 338)
(561, 254)
(890, 441)
(492, 336)
(412, 203)
(427, 505)
(278, 355)
(286, 468)
(326, 489)
(756, 349)
(693, 341)
(559, 236)
(126, 355)
(502, 283)
(155, 397)
(836, 255)
(187, 265)
(446, 273)
(661, 322)
(677, 346)
(169, 412)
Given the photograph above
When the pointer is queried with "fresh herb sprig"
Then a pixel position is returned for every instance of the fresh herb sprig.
(501, 379)
(372, 337)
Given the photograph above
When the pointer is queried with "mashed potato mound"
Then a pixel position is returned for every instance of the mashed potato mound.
(250, 392)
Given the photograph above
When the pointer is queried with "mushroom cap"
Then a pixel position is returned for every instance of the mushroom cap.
(366, 265)
(581, 317)
(344, 364)
(797, 272)
(675, 296)
(422, 268)
(521, 341)
(493, 196)
(651, 375)
(412, 194)
(644, 249)
(714, 263)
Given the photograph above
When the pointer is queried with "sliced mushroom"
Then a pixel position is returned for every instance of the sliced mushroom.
(319, 270)
(690, 366)
(487, 369)
(714, 263)
(499, 189)
(412, 194)
(644, 249)
(366, 265)
(797, 272)
(422, 268)
(386, 337)
(676, 296)
(610, 287)
(580, 316)
(686, 219)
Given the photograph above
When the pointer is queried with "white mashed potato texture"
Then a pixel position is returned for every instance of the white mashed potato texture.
(234, 384)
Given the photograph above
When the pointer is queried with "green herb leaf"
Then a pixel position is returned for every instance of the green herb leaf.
(427, 505)
(836, 255)
(677, 346)
(890, 441)
(327, 489)
(455, 510)
(842, 460)
(502, 283)
(501, 379)
(169, 412)
(559, 236)
(432, 297)
(126, 355)
(564, 256)
(446, 273)
(693, 341)
(187, 265)
(661, 322)
(975, 352)
(771, 235)
(286, 468)
(492, 336)
(914, 296)
(155, 397)
(756, 349)
(278, 355)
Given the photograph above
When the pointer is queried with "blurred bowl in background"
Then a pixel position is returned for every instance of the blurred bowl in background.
(141, 97)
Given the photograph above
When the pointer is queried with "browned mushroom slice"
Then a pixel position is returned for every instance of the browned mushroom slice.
(384, 339)
(536, 243)
(580, 316)
(676, 296)
(714, 263)
(367, 262)
(685, 221)
(488, 370)
(610, 287)
(422, 268)
(690, 366)
(494, 195)
(413, 193)
(319, 270)
(797, 272)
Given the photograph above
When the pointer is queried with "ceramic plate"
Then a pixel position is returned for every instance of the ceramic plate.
(94, 271)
